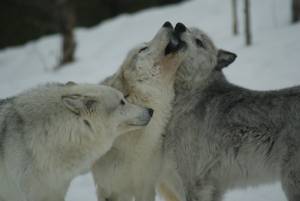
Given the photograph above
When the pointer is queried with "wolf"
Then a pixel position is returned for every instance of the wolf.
(131, 168)
(222, 136)
(52, 133)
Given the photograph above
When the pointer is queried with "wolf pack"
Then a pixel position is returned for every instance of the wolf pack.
(168, 122)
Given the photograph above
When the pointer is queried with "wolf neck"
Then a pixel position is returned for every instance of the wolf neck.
(151, 136)
(184, 87)
(162, 112)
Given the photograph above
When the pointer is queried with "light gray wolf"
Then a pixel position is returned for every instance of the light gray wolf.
(53, 133)
(222, 136)
(131, 168)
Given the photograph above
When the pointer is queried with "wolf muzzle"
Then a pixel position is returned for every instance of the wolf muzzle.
(176, 43)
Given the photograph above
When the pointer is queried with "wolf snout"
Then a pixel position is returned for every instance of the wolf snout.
(145, 118)
(168, 24)
(150, 111)
(176, 43)
(180, 28)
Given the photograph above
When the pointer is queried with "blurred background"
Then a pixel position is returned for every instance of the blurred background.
(31, 19)
(36, 18)
(87, 40)
(22, 21)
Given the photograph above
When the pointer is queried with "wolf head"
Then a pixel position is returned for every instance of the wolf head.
(104, 109)
(69, 126)
(80, 113)
(149, 70)
(202, 58)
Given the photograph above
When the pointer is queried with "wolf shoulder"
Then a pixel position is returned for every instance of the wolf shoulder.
(243, 101)
(236, 107)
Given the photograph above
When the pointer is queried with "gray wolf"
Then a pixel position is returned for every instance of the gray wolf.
(222, 136)
(131, 168)
(52, 133)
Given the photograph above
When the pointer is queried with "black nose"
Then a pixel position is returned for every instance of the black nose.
(151, 111)
(168, 24)
(180, 28)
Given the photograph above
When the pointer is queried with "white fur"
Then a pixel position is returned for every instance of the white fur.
(45, 143)
(131, 168)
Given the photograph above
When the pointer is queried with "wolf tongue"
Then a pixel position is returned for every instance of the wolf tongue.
(173, 45)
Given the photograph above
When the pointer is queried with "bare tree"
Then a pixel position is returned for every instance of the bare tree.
(247, 22)
(235, 29)
(296, 11)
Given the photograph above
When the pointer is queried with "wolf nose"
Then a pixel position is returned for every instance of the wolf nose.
(150, 111)
(168, 24)
(180, 28)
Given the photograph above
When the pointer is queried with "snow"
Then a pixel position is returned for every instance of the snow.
(271, 63)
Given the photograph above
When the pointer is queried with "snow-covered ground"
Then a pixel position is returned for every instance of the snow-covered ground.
(272, 62)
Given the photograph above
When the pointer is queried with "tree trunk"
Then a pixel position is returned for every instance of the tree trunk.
(296, 11)
(66, 21)
(235, 29)
(247, 22)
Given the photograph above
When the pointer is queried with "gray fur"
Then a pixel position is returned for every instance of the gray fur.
(222, 136)
(2, 137)
(3, 126)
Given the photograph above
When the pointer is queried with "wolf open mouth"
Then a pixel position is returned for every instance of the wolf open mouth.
(176, 43)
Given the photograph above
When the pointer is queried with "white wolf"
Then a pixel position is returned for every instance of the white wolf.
(50, 134)
(131, 168)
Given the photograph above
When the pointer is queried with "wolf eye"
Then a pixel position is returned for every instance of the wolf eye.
(142, 49)
(126, 96)
(122, 102)
(199, 42)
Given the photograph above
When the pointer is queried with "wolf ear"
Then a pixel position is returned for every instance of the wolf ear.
(225, 58)
(77, 103)
(71, 83)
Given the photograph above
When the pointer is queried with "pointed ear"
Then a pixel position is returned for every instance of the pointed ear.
(225, 58)
(77, 103)
(71, 83)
